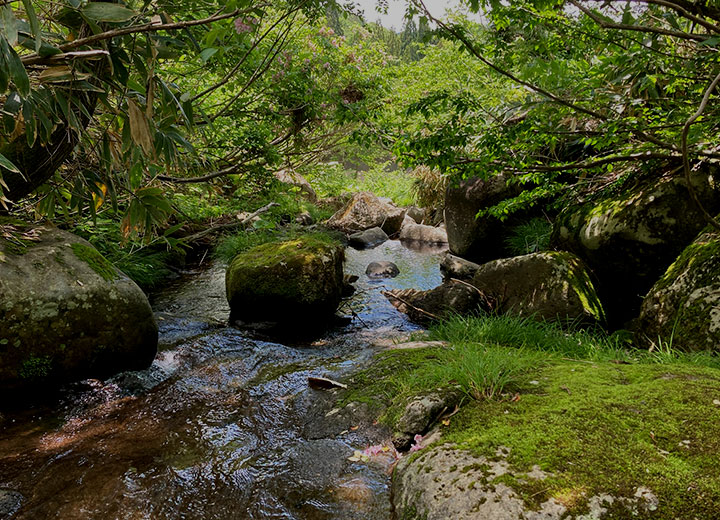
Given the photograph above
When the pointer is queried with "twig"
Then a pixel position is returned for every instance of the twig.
(222, 227)
(686, 159)
(389, 294)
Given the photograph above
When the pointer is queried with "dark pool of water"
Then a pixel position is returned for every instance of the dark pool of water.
(222, 425)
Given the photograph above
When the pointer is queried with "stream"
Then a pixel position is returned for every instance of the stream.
(223, 424)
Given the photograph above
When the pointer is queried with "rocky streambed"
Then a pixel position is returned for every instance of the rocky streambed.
(223, 424)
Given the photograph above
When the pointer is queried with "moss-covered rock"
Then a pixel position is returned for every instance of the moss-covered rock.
(548, 285)
(683, 307)
(629, 240)
(66, 313)
(286, 281)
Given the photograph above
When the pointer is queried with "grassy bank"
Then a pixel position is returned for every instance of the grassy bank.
(595, 414)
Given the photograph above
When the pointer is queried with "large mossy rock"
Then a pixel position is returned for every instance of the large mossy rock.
(477, 239)
(684, 305)
(364, 211)
(548, 285)
(286, 281)
(65, 312)
(628, 241)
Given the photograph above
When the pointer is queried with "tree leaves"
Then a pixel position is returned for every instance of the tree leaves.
(106, 12)
(140, 128)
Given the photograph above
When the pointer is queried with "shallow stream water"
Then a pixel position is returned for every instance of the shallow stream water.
(223, 424)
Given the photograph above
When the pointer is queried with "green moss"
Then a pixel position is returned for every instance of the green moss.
(603, 428)
(583, 286)
(35, 367)
(95, 260)
(703, 250)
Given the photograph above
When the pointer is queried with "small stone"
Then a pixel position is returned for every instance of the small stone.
(716, 402)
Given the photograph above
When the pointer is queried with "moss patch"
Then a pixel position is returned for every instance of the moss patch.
(604, 428)
(95, 260)
(35, 367)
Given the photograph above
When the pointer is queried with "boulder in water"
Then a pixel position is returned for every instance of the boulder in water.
(365, 211)
(383, 269)
(441, 302)
(369, 238)
(66, 313)
(423, 233)
(452, 266)
(286, 281)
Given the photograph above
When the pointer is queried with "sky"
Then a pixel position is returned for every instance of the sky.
(396, 10)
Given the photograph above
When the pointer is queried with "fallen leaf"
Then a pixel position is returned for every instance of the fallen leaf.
(515, 398)
(446, 422)
(353, 428)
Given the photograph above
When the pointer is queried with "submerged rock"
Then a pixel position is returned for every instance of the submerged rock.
(383, 269)
(365, 211)
(66, 313)
(369, 238)
(548, 285)
(286, 281)
(683, 307)
(628, 241)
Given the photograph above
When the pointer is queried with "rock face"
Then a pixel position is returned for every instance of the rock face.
(415, 213)
(628, 242)
(286, 281)
(383, 269)
(365, 211)
(452, 266)
(685, 303)
(548, 285)
(477, 239)
(369, 238)
(423, 233)
(444, 300)
(66, 313)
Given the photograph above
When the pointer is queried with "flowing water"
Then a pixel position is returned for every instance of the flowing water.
(223, 424)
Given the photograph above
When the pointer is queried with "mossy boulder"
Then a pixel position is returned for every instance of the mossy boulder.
(684, 305)
(445, 300)
(294, 280)
(477, 239)
(364, 211)
(66, 313)
(547, 285)
(629, 240)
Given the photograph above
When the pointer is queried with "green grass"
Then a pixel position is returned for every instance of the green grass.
(529, 237)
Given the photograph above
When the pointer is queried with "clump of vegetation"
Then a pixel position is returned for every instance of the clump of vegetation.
(429, 187)
(529, 237)
(95, 260)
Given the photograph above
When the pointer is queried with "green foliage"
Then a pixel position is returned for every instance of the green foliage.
(529, 237)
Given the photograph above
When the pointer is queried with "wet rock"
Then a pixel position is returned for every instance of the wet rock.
(305, 219)
(477, 239)
(421, 413)
(295, 179)
(365, 211)
(286, 281)
(685, 303)
(369, 238)
(445, 482)
(630, 240)
(415, 213)
(548, 285)
(423, 233)
(452, 266)
(383, 269)
(66, 313)
(10, 502)
(442, 301)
